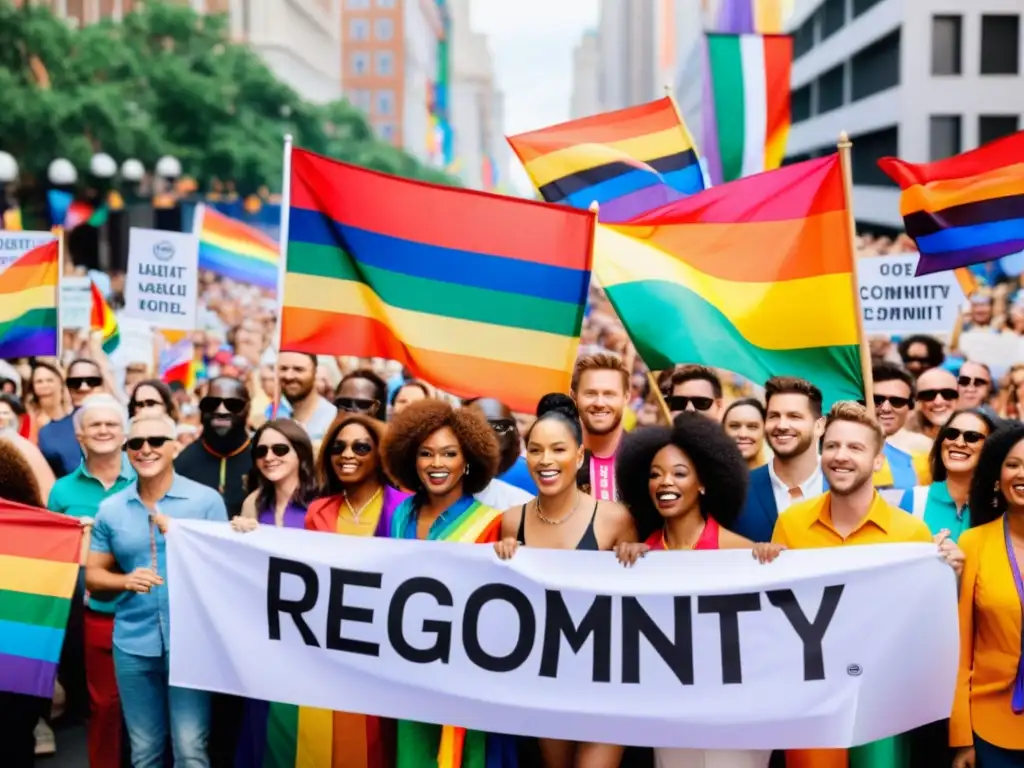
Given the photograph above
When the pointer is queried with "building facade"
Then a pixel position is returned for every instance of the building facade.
(918, 79)
(627, 53)
(586, 61)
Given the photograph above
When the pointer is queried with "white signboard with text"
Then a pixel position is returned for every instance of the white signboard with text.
(75, 302)
(895, 302)
(15, 243)
(699, 649)
(161, 286)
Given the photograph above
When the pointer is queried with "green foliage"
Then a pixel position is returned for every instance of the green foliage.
(165, 81)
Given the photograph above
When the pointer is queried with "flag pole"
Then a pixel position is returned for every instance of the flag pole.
(845, 147)
(282, 261)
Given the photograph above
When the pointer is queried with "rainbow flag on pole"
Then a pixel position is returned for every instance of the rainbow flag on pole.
(233, 249)
(629, 161)
(28, 303)
(39, 563)
(755, 277)
(745, 104)
(478, 294)
(965, 209)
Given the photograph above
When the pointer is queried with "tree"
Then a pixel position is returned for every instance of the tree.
(165, 81)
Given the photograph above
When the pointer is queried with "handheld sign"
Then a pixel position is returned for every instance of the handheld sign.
(161, 286)
(895, 302)
(75, 302)
(15, 244)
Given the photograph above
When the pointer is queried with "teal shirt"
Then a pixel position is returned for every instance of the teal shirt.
(938, 511)
(79, 495)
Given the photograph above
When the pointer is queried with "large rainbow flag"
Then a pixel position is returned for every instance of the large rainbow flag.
(755, 277)
(39, 554)
(233, 249)
(478, 294)
(965, 209)
(629, 161)
(28, 303)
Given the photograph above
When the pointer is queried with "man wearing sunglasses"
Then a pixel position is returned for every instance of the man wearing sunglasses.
(905, 453)
(512, 485)
(975, 385)
(938, 396)
(128, 556)
(57, 440)
(695, 388)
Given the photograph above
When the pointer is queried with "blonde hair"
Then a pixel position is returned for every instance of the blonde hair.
(855, 413)
(602, 361)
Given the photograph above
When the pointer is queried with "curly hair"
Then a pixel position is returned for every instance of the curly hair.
(330, 483)
(986, 500)
(298, 438)
(423, 418)
(17, 480)
(716, 458)
(934, 351)
(938, 469)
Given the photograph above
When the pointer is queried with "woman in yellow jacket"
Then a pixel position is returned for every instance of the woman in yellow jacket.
(987, 724)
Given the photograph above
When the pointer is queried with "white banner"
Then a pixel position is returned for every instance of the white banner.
(75, 302)
(162, 283)
(823, 648)
(14, 244)
(894, 301)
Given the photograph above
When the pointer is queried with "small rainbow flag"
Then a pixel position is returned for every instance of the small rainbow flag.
(177, 364)
(39, 563)
(104, 320)
(629, 161)
(965, 209)
(28, 303)
(232, 249)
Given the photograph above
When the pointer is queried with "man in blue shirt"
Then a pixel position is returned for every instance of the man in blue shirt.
(128, 555)
(57, 440)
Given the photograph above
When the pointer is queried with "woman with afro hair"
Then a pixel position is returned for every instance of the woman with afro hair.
(444, 456)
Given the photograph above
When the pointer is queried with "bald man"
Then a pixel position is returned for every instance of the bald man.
(513, 485)
(937, 397)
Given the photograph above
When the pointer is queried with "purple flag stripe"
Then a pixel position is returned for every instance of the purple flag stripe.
(942, 262)
(28, 676)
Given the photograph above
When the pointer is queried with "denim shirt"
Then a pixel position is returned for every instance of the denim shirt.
(122, 529)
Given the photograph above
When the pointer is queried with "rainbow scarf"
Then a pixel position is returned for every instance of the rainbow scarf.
(424, 745)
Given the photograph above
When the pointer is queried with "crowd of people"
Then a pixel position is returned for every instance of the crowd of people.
(625, 462)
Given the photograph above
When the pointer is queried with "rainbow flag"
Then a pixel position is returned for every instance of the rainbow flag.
(745, 104)
(177, 364)
(104, 320)
(28, 303)
(478, 294)
(755, 277)
(232, 249)
(965, 209)
(630, 161)
(39, 563)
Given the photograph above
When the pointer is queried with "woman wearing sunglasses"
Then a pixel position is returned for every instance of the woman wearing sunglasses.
(152, 396)
(953, 459)
(283, 478)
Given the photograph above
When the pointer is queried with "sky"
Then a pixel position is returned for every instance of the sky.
(532, 43)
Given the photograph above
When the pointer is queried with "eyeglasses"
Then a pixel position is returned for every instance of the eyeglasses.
(967, 381)
(278, 449)
(356, 405)
(969, 435)
(85, 382)
(233, 405)
(927, 395)
(136, 404)
(682, 402)
(359, 447)
(502, 426)
(137, 443)
(893, 400)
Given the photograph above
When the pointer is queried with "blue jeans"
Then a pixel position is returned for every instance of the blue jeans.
(152, 708)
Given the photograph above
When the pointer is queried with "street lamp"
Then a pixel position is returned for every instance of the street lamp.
(8, 168)
(168, 167)
(132, 170)
(103, 166)
(62, 173)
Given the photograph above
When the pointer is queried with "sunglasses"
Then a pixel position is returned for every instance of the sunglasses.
(969, 435)
(278, 449)
(502, 426)
(359, 448)
(927, 395)
(137, 443)
(356, 405)
(682, 402)
(233, 405)
(136, 404)
(967, 381)
(920, 360)
(85, 382)
(893, 400)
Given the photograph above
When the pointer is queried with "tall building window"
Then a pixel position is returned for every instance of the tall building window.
(1000, 44)
(361, 99)
(946, 45)
(357, 5)
(944, 136)
(360, 63)
(992, 127)
(833, 17)
(831, 90)
(359, 30)
(871, 147)
(862, 6)
(385, 102)
(385, 63)
(801, 103)
(385, 3)
(383, 29)
(876, 68)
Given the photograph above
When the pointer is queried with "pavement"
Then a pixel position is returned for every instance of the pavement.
(71, 749)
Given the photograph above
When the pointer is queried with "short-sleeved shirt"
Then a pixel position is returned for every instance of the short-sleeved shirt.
(123, 529)
(80, 495)
(808, 525)
(933, 504)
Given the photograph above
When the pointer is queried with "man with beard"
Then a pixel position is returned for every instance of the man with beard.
(296, 376)
(513, 485)
(600, 387)
(792, 427)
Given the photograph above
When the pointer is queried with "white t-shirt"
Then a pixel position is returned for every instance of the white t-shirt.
(321, 419)
(502, 495)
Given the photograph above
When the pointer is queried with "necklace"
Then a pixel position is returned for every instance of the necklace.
(354, 513)
(664, 538)
(222, 477)
(545, 519)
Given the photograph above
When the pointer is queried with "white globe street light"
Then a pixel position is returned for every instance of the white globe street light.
(103, 166)
(168, 167)
(8, 168)
(62, 173)
(132, 170)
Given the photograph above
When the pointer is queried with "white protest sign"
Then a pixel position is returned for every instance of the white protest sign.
(75, 302)
(14, 244)
(894, 301)
(704, 649)
(161, 286)
(136, 345)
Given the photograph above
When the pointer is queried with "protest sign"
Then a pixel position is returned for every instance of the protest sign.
(14, 244)
(75, 302)
(161, 286)
(894, 301)
(703, 649)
